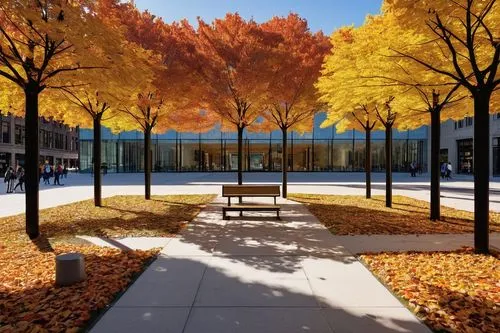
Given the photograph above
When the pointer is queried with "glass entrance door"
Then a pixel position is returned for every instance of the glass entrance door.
(256, 161)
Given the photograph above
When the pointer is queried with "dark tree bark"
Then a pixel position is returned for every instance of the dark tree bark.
(270, 154)
(368, 161)
(435, 163)
(388, 165)
(31, 160)
(200, 154)
(240, 155)
(284, 164)
(147, 163)
(481, 171)
(97, 160)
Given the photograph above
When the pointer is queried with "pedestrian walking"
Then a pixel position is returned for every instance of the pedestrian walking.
(449, 170)
(9, 174)
(444, 167)
(20, 179)
(47, 169)
(57, 174)
(65, 172)
(12, 180)
(413, 169)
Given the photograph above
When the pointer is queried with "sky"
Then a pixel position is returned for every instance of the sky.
(326, 15)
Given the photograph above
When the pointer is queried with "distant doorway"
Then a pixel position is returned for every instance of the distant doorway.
(443, 156)
(465, 156)
(256, 161)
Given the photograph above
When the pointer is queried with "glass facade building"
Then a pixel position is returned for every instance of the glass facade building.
(319, 150)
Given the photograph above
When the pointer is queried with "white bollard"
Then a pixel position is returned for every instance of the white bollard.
(70, 269)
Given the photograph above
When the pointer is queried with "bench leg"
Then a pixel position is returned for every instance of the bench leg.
(278, 215)
(224, 216)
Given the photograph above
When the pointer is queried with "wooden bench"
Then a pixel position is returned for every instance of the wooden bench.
(253, 191)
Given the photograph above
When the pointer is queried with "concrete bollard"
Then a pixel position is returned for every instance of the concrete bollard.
(70, 269)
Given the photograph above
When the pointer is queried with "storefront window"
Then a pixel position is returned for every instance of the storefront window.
(5, 128)
(4, 163)
(210, 155)
(465, 156)
(19, 135)
(496, 156)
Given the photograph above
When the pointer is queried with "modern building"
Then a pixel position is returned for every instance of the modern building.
(58, 142)
(457, 145)
(320, 150)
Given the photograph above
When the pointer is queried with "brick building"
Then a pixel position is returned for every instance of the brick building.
(58, 143)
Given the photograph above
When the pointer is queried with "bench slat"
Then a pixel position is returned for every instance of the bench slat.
(240, 207)
(250, 190)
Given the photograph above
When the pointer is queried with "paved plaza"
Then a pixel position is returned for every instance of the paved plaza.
(255, 273)
(457, 193)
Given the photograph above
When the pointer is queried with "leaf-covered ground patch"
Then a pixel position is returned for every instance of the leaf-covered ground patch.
(356, 215)
(120, 216)
(29, 299)
(450, 291)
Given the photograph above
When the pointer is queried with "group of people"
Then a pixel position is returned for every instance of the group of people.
(10, 178)
(48, 171)
(446, 170)
(15, 179)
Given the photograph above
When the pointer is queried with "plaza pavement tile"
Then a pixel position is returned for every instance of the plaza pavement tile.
(257, 274)
(143, 319)
(262, 320)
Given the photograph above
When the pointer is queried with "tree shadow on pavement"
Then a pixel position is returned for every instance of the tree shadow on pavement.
(121, 216)
(260, 240)
(196, 294)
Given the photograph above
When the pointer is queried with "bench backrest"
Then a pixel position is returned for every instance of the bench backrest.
(251, 190)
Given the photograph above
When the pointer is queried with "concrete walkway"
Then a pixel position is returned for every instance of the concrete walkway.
(256, 274)
(457, 193)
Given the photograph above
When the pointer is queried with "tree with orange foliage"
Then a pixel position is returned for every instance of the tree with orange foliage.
(231, 58)
(147, 114)
(169, 94)
(292, 97)
(41, 43)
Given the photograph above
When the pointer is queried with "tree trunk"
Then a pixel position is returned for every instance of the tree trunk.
(97, 161)
(147, 163)
(200, 155)
(32, 153)
(481, 172)
(388, 166)
(270, 153)
(368, 162)
(284, 164)
(435, 165)
(240, 155)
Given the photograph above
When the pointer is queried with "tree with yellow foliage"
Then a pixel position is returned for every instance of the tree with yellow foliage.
(431, 95)
(460, 40)
(99, 101)
(345, 87)
(414, 93)
(41, 43)
(363, 118)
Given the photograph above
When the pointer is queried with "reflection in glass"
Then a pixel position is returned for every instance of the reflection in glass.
(259, 155)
